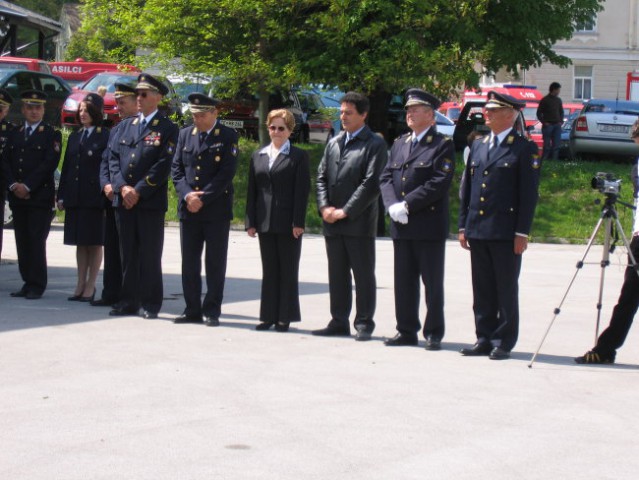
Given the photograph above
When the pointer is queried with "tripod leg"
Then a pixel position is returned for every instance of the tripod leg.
(580, 264)
(605, 261)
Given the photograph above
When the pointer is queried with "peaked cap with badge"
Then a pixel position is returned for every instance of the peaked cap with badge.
(94, 99)
(149, 82)
(33, 97)
(198, 102)
(123, 90)
(417, 96)
(499, 100)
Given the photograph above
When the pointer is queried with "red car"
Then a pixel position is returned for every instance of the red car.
(171, 105)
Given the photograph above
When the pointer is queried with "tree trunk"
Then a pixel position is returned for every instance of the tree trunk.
(262, 129)
(378, 115)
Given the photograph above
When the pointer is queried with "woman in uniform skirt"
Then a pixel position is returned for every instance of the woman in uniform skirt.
(80, 196)
(278, 186)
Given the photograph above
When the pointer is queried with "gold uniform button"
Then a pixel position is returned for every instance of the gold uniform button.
(481, 199)
(19, 169)
(485, 172)
(197, 188)
(403, 194)
(483, 185)
(197, 178)
(130, 176)
(197, 168)
(133, 155)
(130, 165)
(199, 157)
(481, 212)
(403, 179)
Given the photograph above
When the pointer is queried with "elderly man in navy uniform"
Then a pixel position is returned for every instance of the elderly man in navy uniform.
(140, 166)
(495, 215)
(5, 127)
(203, 169)
(29, 161)
(125, 99)
(414, 187)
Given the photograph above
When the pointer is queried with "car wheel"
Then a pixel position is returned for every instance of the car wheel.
(8, 215)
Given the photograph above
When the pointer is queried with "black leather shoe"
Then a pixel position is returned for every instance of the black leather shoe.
(433, 343)
(211, 322)
(74, 298)
(264, 326)
(401, 340)
(149, 315)
(19, 293)
(33, 296)
(330, 331)
(123, 311)
(187, 319)
(478, 350)
(281, 327)
(101, 302)
(591, 357)
(88, 299)
(363, 335)
(498, 353)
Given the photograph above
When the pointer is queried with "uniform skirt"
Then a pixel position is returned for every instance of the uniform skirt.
(84, 226)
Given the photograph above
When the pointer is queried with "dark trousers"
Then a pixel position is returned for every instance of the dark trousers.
(280, 300)
(356, 254)
(31, 227)
(495, 274)
(112, 273)
(415, 259)
(141, 242)
(193, 236)
(622, 315)
(552, 141)
(1, 222)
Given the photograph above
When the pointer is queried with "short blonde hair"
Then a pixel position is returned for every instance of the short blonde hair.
(286, 115)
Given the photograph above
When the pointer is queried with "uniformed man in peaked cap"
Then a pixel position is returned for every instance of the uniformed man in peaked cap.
(140, 165)
(5, 127)
(496, 211)
(414, 187)
(203, 169)
(125, 100)
(30, 159)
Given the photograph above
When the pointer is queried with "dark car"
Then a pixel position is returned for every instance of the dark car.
(170, 106)
(242, 114)
(17, 81)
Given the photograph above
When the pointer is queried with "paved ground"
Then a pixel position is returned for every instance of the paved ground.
(87, 396)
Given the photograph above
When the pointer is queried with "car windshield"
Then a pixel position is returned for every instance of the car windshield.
(107, 80)
(443, 119)
(620, 107)
(530, 114)
(184, 89)
(4, 73)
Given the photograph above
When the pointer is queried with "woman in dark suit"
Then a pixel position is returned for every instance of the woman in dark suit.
(278, 186)
(79, 194)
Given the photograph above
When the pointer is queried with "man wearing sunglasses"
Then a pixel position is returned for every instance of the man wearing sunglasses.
(347, 199)
(140, 165)
(203, 169)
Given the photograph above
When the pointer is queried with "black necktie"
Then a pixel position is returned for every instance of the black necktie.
(85, 135)
(27, 133)
(413, 144)
(202, 138)
(142, 126)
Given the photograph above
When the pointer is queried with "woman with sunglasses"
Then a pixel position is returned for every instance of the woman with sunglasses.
(81, 197)
(278, 187)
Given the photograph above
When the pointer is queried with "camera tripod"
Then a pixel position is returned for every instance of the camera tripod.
(608, 220)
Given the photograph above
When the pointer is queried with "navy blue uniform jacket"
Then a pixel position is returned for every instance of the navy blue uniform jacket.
(420, 178)
(209, 168)
(499, 195)
(143, 161)
(79, 181)
(33, 162)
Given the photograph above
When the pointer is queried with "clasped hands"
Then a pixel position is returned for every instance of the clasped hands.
(20, 190)
(332, 214)
(398, 212)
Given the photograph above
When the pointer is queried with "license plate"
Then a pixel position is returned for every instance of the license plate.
(614, 128)
(233, 123)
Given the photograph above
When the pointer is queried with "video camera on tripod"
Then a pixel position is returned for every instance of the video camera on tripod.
(606, 183)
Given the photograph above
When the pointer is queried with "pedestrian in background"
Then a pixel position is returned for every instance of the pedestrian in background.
(80, 196)
(278, 186)
(550, 113)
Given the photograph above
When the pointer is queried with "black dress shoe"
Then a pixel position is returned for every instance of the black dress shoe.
(74, 298)
(187, 319)
(101, 302)
(19, 293)
(331, 331)
(499, 354)
(592, 357)
(264, 326)
(211, 321)
(281, 327)
(123, 311)
(87, 299)
(33, 296)
(149, 315)
(477, 350)
(363, 335)
(433, 343)
(401, 340)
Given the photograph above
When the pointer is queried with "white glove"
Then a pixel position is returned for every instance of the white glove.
(398, 213)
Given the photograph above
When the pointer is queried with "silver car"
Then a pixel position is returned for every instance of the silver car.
(603, 129)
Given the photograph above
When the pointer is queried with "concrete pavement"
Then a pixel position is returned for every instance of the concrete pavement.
(88, 396)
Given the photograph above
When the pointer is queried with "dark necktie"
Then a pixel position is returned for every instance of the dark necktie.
(142, 126)
(202, 138)
(413, 144)
(27, 133)
(85, 135)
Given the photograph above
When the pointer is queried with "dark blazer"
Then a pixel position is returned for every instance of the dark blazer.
(207, 168)
(5, 129)
(500, 193)
(33, 162)
(143, 160)
(80, 177)
(420, 178)
(277, 199)
(348, 178)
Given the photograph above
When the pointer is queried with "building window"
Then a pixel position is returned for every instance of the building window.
(586, 26)
(583, 82)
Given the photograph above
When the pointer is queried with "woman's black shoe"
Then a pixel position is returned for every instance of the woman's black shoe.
(264, 326)
(281, 327)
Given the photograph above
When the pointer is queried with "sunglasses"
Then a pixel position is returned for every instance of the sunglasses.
(274, 128)
(143, 94)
